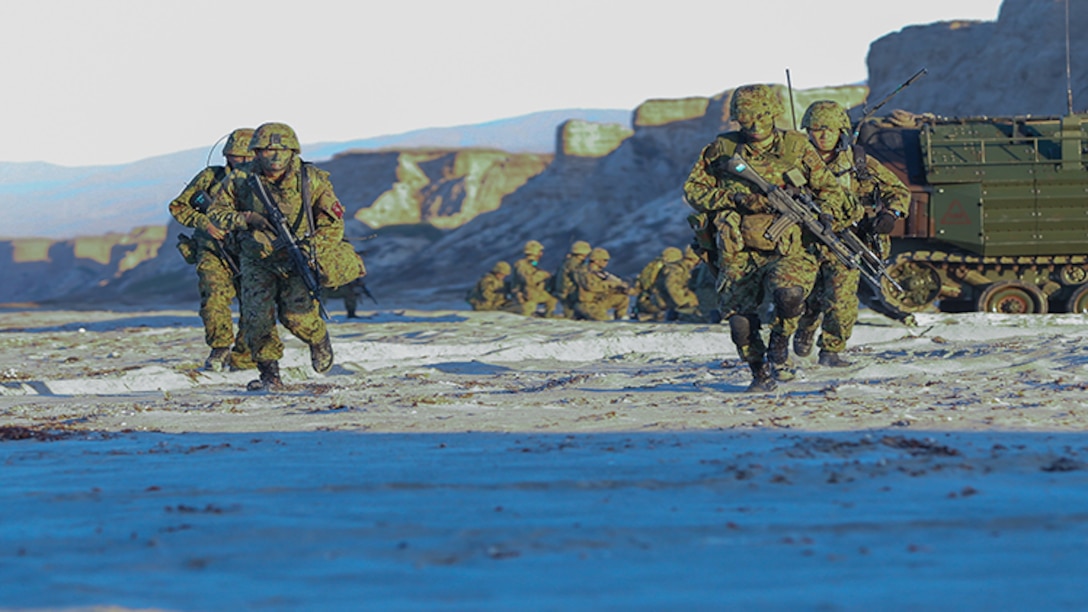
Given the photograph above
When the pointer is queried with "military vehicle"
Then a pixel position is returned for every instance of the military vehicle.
(999, 212)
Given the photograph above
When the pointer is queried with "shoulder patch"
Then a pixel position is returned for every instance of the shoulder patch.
(338, 209)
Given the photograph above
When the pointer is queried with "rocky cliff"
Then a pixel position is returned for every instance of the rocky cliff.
(1013, 66)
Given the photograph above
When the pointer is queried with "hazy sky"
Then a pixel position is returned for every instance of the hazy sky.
(111, 81)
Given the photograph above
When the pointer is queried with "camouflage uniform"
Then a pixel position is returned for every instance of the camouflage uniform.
(216, 281)
(704, 285)
(883, 199)
(599, 291)
(270, 283)
(565, 287)
(751, 268)
(671, 287)
(649, 306)
(491, 292)
(529, 283)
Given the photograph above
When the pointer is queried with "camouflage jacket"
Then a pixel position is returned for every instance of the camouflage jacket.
(182, 208)
(488, 294)
(238, 197)
(720, 195)
(528, 281)
(594, 285)
(672, 285)
(565, 287)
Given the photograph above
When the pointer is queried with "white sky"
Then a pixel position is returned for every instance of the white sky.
(91, 82)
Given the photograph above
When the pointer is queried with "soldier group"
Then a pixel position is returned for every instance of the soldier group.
(667, 289)
(240, 252)
(745, 266)
(795, 271)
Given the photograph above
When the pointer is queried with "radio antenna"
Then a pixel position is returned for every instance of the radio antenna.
(793, 109)
(1068, 70)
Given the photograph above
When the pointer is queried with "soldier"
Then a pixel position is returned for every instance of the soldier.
(600, 291)
(529, 283)
(884, 199)
(648, 305)
(731, 218)
(216, 257)
(271, 284)
(671, 288)
(565, 287)
(350, 293)
(491, 292)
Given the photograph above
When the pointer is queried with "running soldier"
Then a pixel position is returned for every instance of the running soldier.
(731, 218)
(884, 200)
(215, 255)
(271, 284)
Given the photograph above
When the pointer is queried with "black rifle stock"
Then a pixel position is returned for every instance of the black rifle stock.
(283, 233)
(800, 209)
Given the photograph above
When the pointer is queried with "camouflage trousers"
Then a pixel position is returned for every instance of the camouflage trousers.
(597, 309)
(218, 288)
(835, 295)
(748, 280)
(529, 305)
(271, 289)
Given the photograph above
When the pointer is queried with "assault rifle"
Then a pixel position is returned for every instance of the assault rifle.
(800, 209)
(283, 234)
(202, 201)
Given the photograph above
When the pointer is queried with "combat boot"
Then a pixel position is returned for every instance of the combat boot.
(803, 341)
(761, 378)
(778, 353)
(217, 359)
(833, 360)
(321, 354)
(270, 377)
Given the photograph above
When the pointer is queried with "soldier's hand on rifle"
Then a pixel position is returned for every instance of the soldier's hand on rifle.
(884, 223)
(214, 231)
(256, 221)
(751, 202)
(828, 221)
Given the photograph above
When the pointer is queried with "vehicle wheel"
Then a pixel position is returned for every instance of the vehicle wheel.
(920, 282)
(1078, 302)
(1012, 297)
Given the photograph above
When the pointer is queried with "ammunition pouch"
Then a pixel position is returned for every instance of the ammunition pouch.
(188, 248)
(753, 230)
(704, 233)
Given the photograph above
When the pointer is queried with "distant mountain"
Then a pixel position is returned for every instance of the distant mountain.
(49, 201)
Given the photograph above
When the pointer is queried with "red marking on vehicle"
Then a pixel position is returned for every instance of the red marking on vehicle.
(956, 215)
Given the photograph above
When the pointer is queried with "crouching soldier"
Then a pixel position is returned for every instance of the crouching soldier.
(600, 291)
(491, 291)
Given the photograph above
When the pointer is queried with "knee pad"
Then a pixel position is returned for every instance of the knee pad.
(789, 301)
(741, 328)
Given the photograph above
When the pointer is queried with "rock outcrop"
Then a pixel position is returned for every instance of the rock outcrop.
(1013, 66)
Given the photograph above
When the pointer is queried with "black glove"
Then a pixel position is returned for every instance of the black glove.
(751, 202)
(828, 221)
(884, 223)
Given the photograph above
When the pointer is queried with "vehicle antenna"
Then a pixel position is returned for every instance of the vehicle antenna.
(208, 161)
(793, 110)
(1068, 70)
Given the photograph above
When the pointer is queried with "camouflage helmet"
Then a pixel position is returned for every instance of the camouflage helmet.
(599, 254)
(274, 136)
(502, 268)
(755, 98)
(238, 143)
(672, 255)
(533, 248)
(826, 113)
(580, 247)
